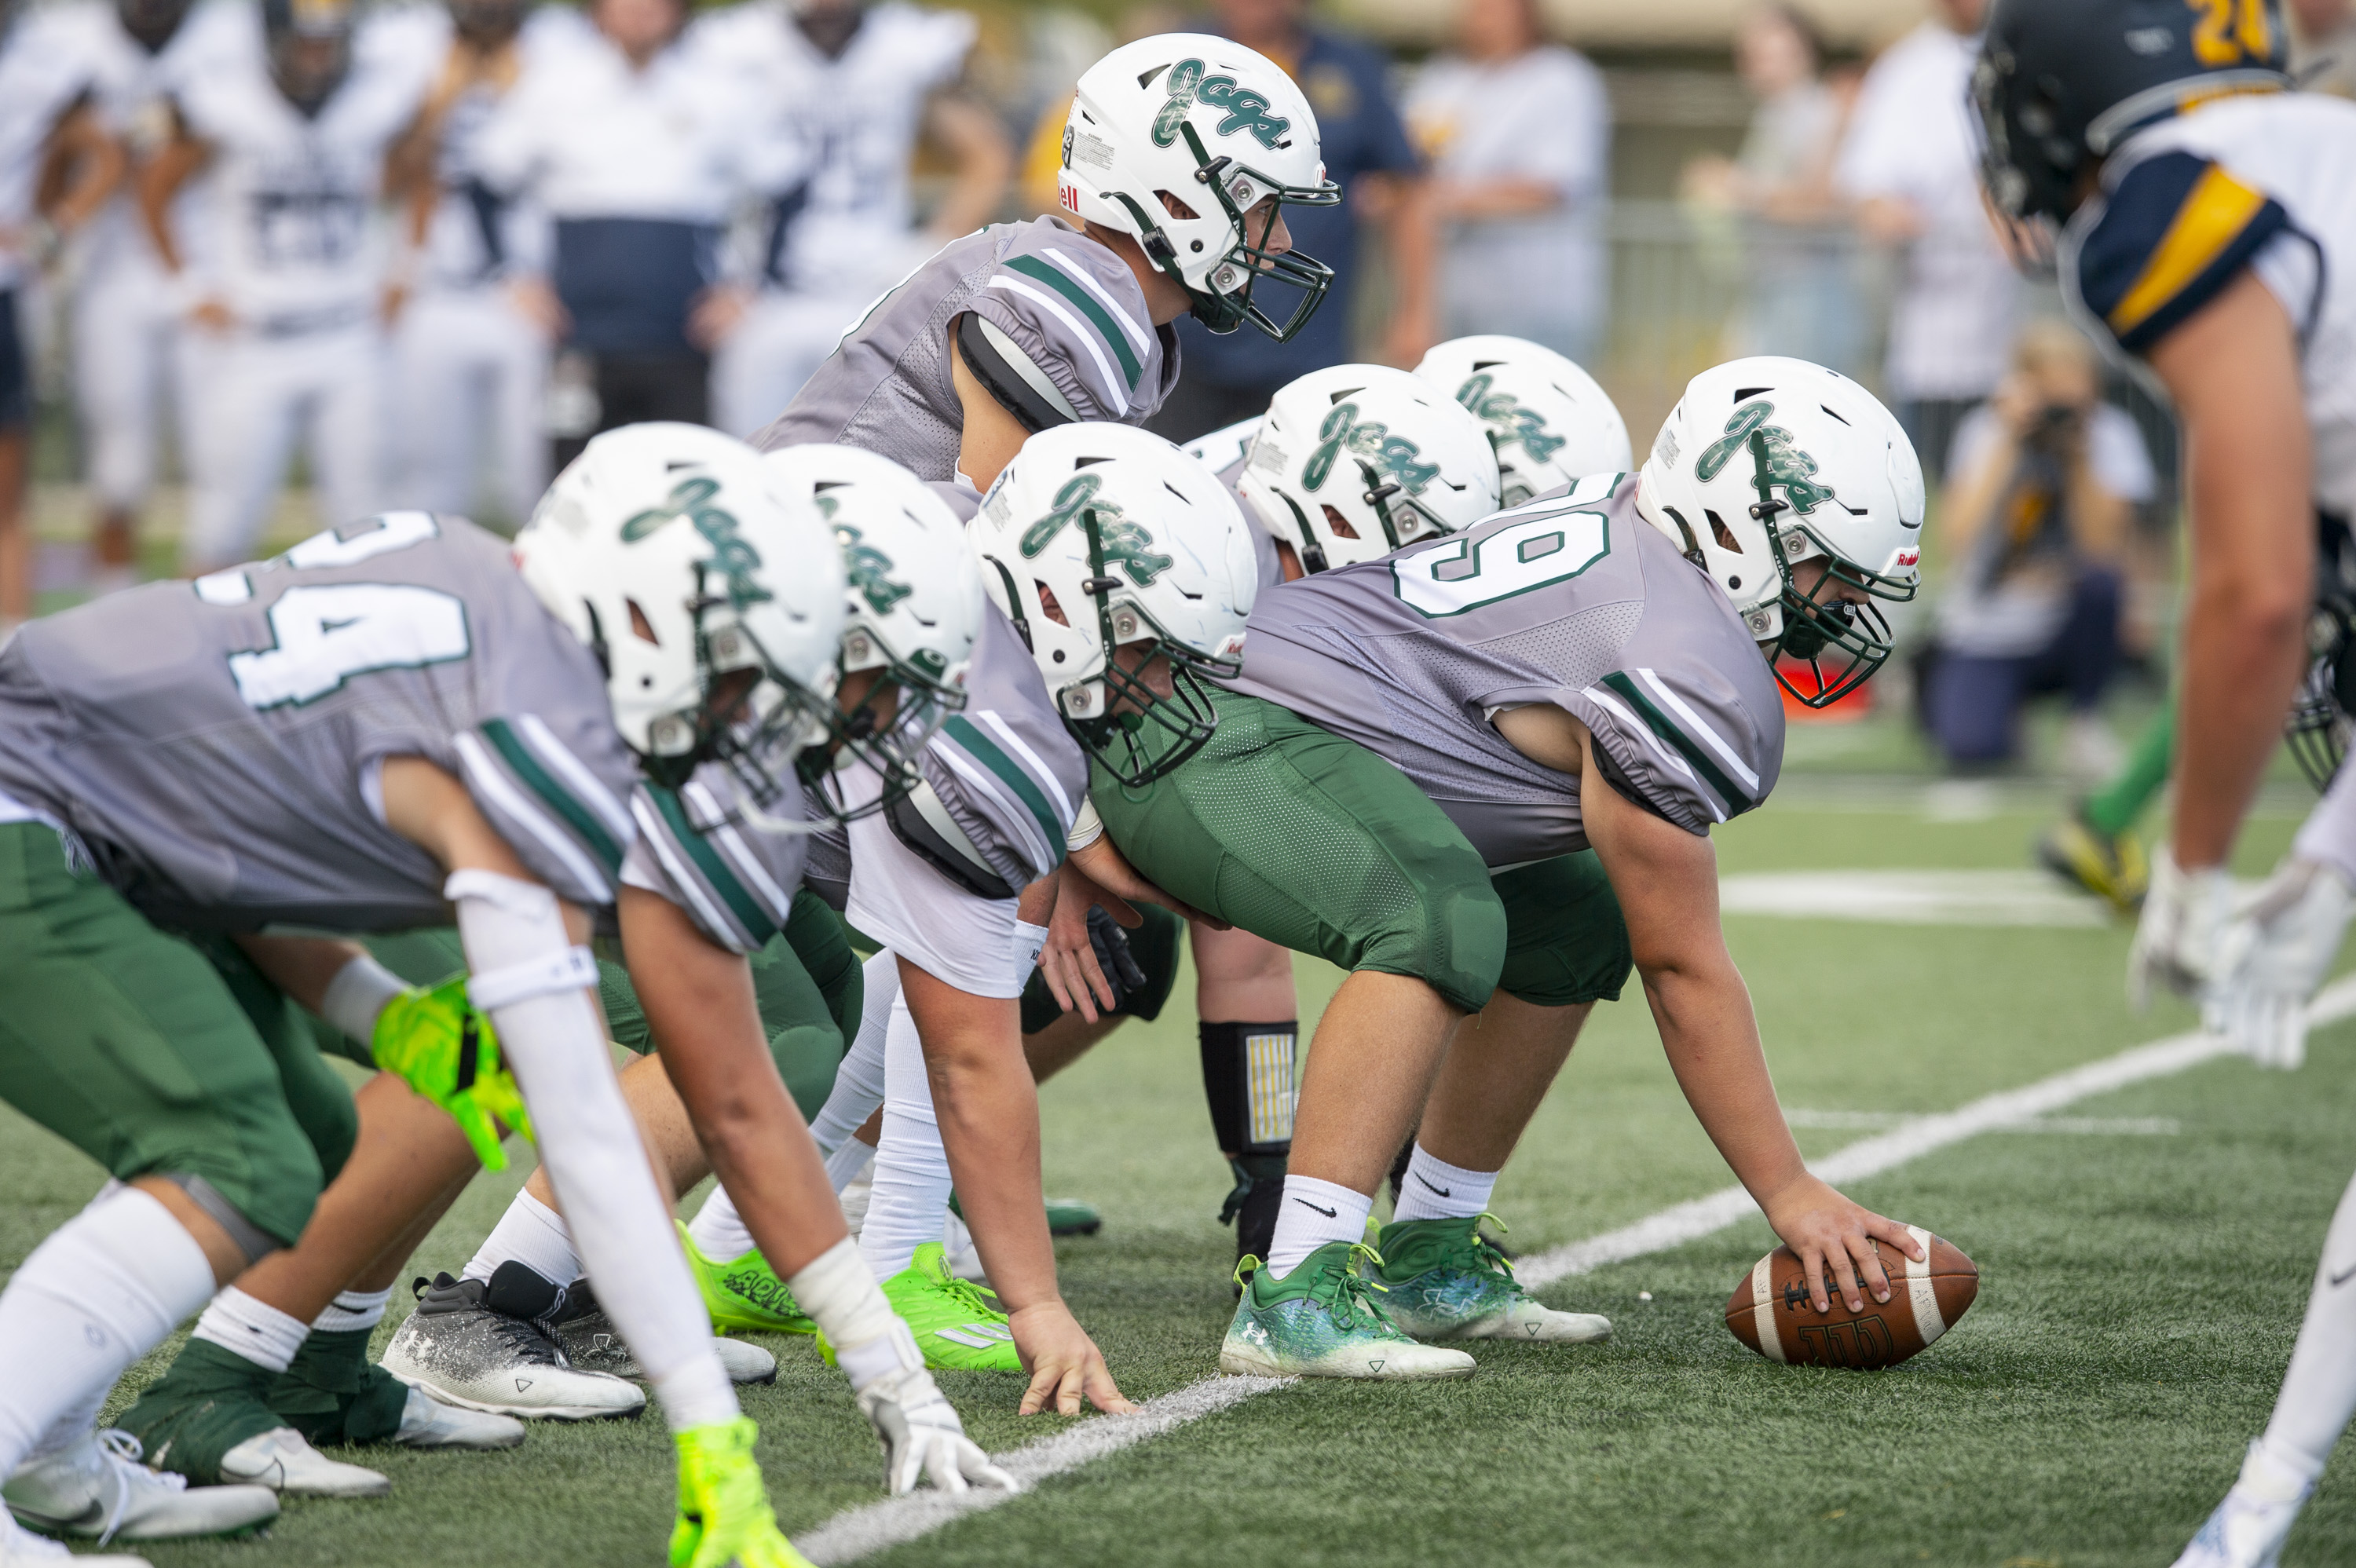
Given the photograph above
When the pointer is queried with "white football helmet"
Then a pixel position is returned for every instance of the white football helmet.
(1767, 463)
(1225, 446)
(1548, 418)
(1099, 537)
(674, 554)
(1172, 140)
(1356, 461)
(912, 604)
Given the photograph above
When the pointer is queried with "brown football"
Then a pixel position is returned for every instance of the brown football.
(1770, 1310)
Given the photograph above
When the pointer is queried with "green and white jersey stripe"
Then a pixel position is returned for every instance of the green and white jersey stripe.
(734, 872)
(1006, 770)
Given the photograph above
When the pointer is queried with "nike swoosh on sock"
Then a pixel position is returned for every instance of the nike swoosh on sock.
(1427, 1181)
(1329, 1213)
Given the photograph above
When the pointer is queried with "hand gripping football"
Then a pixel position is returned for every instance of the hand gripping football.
(1770, 1310)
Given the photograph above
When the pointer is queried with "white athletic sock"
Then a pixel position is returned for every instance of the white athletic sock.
(841, 1296)
(912, 1169)
(859, 1080)
(1314, 1213)
(74, 1425)
(353, 1309)
(1435, 1190)
(2329, 835)
(2319, 1392)
(532, 1234)
(718, 1230)
(245, 1326)
(105, 1288)
(357, 995)
(849, 1163)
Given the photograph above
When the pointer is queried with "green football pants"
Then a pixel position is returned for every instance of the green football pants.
(1314, 842)
(155, 1057)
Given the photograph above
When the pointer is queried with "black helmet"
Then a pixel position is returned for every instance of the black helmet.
(310, 48)
(151, 23)
(2324, 711)
(2061, 82)
(488, 23)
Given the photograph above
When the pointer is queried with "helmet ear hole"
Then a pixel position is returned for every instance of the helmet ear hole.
(1175, 207)
(1726, 539)
(1049, 606)
(643, 627)
(1339, 525)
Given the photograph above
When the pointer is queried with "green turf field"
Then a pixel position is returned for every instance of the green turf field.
(2141, 1288)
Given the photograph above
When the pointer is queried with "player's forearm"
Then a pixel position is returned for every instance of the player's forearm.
(1711, 1037)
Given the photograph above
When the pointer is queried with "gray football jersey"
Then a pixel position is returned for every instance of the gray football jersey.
(1576, 602)
(733, 868)
(214, 744)
(1070, 304)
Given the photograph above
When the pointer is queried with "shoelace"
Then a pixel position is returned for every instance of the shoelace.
(1478, 1253)
(968, 1295)
(120, 1454)
(523, 1336)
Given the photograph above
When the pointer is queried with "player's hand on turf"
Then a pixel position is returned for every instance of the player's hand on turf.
(923, 1436)
(1834, 1239)
(1109, 869)
(2272, 957)
(446, 1048)
(1065, 1364)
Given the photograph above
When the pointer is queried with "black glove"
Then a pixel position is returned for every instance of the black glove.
(1113, 956)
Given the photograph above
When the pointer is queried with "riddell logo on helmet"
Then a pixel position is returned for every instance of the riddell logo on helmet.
(1124, 544)
(1246, 110)
(1392, 456)
(1512, 422)
(1067, 195)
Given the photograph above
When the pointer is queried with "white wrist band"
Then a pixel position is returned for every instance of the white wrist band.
(573, 969)
(1086, 827)
(357, 996)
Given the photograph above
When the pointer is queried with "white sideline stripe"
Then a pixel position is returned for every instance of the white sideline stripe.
(1876, 1121)
(849, 1536)
(1871, 1157)
(1911, 897)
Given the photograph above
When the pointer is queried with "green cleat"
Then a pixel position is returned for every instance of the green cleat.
(2112, 867)
(1073, 1217)
(953, 1322)
(1322, 1321)
(1448, 1281)
(745, 1293)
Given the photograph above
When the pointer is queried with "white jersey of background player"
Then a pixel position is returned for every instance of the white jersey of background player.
(852, 86)
(286, 278)
(474, 338)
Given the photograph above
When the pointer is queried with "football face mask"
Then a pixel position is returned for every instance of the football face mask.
(1156, 712)
(1822, 623)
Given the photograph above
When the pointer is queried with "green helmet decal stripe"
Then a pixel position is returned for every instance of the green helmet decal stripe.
(732, 553)
(1695, 756)
(1124, 543)
(1794, 470)
(1504, 412)
(870, 569)
(1089, 305)
(1244, 109)
(1392, 457)
(968, 734)
(576, 815)
(756, 920)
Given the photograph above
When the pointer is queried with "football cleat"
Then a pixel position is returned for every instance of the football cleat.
(724, 1517)
(955, 1326)
(427, 1423)
(745, 1293)
(463, 1350)
(1448, 1281)
(2111, 866)
(592, 1344)
(284, 1461)
(20, 1548)
(1322, 1321)
(205, 1419)
(98, 1488)
(2250, 1526)
(1073, 1217)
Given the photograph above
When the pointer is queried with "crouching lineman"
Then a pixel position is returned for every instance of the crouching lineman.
(1402, 726)
(2208, 234)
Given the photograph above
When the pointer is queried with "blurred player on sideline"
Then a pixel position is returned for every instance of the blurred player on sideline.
(853, 86)
(283, 284)
(471, 347)
(2206, 228)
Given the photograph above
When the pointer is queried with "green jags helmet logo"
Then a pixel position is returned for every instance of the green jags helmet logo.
(870, 569)
(1503, 413)
(1392, 457)
(733, 554)
(1245, 110)
(1787, 465)
(1125, 545)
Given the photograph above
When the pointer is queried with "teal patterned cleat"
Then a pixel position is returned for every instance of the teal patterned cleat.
(1322, 1321)
(1447, 1281)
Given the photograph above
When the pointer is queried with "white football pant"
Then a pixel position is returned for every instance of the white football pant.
(250, 397)
(779, 345)
(124, 370)
(470, 374)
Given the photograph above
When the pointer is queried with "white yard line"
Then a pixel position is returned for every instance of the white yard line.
(859, 1531)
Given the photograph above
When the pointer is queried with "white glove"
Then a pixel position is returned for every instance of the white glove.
(2271, 959)
(923, 1436)
(2184, 914)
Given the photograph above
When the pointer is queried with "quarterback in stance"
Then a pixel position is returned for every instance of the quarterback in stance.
(2203, 226)
(1404, 776)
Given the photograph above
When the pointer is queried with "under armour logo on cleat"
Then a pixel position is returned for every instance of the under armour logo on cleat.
(1329, 1213)
(1441, 1190)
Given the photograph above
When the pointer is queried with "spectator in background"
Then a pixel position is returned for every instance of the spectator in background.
(1909, 161)
(2323, 46)
(1799, 286)
(2041, 490)
(638, 151)
(1232, 376)
(1519, 138)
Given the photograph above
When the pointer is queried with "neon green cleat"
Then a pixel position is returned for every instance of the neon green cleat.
(2112, 867)
(1447, 1281)
(1322, 1321)
(745, 1293)
(724, 1518)
(954, 1324)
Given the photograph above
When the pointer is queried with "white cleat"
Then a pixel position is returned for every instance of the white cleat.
(98, 1488)
(427, 1423)
(461, 1348)
(1534, 1322)
(281, 1460)
(2250, 1526)
(590, 1342)
(20, 1548)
